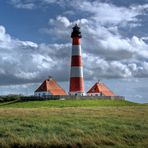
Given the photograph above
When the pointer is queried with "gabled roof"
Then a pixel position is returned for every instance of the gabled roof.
(100, 87)
(52, 87)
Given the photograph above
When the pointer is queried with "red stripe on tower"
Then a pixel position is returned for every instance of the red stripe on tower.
(76, 74)
(76, 61)
(75, 86)
(76, 41)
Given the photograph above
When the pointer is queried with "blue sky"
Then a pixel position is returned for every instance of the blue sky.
(35, 42)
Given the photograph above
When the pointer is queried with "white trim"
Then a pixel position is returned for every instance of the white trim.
(76, 93)
(42, 94)
(93, 94)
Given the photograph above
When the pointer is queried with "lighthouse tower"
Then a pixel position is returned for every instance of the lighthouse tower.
(76, 74)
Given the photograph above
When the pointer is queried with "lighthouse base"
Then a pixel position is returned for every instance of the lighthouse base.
(76, 93)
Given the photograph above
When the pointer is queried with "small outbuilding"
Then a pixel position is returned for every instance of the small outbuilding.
(49, 88)
(100, 89)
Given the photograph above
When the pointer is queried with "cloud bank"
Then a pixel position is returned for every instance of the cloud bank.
(107, 51)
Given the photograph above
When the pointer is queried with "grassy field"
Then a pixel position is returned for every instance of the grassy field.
(73, 123)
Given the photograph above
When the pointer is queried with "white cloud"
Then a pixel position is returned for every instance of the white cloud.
(28, 4)
(31, 4)
(145, 38)
(119, 56)
(26, 61)
(108, 14)
(25, 6)
(106, 53)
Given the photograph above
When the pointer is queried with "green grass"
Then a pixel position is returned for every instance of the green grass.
(74, 123)
(66, 103)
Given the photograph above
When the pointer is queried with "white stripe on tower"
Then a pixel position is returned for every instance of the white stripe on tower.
(76, 50)
(76, 75)
(76, 71)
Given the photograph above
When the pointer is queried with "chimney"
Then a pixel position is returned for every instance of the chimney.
(49, 78)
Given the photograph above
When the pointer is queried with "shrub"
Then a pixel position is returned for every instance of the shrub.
(9, 98)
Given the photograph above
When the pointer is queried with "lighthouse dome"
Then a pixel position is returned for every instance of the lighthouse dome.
(76, 32)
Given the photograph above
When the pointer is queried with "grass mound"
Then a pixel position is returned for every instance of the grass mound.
(67, 103)
(73, 123)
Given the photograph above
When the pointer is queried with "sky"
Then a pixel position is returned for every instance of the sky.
(35, 42)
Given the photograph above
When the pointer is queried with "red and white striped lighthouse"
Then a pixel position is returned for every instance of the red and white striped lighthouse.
(76, 74)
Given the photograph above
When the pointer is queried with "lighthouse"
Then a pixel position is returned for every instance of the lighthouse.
(76, 74)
